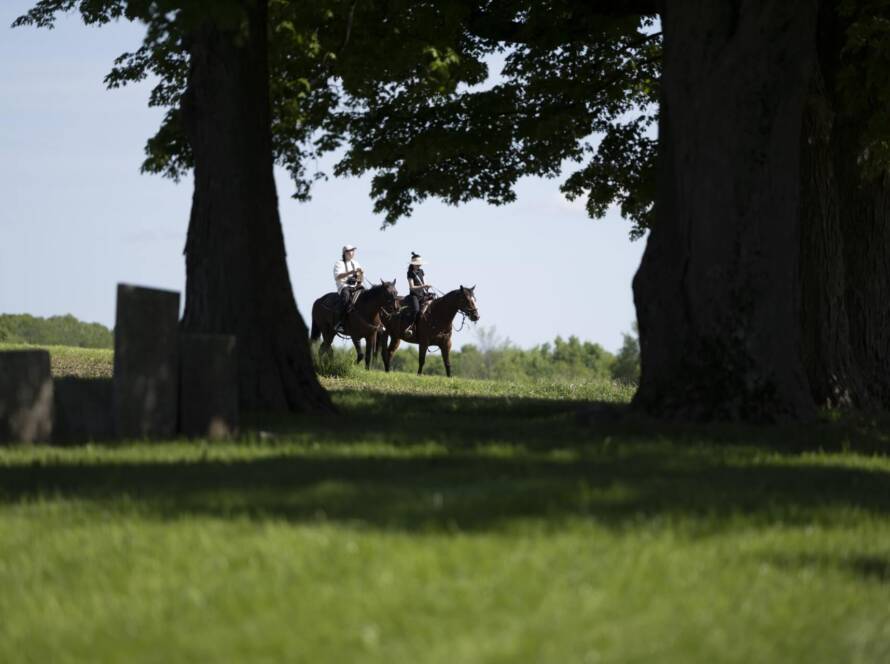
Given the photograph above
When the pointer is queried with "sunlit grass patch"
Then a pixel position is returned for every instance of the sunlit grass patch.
(69, 361)
(437, 520)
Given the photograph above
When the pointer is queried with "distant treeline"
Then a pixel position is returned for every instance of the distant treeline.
(491, 357)
(55, 330)
(564, 359)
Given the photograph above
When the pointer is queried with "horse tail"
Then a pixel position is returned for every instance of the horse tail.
(315, 333)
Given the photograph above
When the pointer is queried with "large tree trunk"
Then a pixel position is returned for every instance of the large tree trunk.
(832, 370)
(865, 215)
(845, 243)
(717, 290)
(236, 275)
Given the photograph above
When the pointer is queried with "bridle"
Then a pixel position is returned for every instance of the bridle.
(469, 310)
(391, 307)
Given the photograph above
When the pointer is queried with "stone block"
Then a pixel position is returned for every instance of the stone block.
(208, 390)
(83, 410)
(146, 376)
(26, 396)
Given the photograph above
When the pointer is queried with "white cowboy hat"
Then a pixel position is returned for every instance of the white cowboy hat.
(416, 259)
(348, 247)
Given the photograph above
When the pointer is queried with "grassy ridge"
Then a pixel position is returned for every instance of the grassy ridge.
(70, 361)
(461, 521)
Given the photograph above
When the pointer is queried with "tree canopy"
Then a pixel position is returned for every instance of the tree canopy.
(402, 86)
(577, 85)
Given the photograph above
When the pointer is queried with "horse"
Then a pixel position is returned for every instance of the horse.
(433, 329)
(362, 322)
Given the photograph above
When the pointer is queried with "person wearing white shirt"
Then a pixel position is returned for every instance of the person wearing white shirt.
(347, 276)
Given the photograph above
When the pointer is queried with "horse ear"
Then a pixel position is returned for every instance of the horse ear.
(393, 281)
(381, 283)
(473, 288)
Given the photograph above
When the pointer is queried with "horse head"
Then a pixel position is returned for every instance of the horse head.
(468, 303)
(390, 294)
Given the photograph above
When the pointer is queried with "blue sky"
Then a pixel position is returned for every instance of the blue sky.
(76, 216)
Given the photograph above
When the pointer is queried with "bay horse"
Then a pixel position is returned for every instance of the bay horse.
(362, 322)
(433, 329)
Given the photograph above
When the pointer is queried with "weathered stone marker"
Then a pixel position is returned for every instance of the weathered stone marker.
(83, 410)
(146, 376)
(26, 396)
(208, 390)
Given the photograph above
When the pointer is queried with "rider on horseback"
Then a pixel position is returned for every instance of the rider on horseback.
(348, 276)
(417, 291)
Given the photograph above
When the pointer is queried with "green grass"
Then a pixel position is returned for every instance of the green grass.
(453, 521)
(69, 361)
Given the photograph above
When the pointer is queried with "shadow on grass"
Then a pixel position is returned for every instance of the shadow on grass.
(467, 421)
(869, 568)
(468, 491)
(496, 461)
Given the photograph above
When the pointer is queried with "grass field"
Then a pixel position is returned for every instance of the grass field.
(462, 521)
(68, 361)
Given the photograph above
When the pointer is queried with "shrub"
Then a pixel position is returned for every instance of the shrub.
(626, 368)
(54, 331)
(496, 358)
(337, 364)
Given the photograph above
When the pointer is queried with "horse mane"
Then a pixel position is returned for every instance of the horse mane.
(374, 290)
(446, 297)
(451, 293)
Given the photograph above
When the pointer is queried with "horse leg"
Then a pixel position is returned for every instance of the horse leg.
(380, 344)
(370, 347)
(446, 356)
(421, 358)
(357, 342)
(327, 340)
(383, 349)
(391, 351)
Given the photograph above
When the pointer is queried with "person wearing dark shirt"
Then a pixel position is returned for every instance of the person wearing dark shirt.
(417, 288)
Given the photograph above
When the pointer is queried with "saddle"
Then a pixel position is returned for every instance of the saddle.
(333, 301)
(424, 307)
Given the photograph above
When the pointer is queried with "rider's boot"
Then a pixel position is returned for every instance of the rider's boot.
(408, 318)
(412, 328)
(342, 313)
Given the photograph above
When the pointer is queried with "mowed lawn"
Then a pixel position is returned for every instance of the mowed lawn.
(452, 521)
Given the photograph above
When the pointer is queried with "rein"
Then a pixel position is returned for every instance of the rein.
(463, 314)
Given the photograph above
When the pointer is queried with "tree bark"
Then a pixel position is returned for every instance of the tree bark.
(237, 280)
(865, 211)
(717, 292)
(832, 370)
(845, 243)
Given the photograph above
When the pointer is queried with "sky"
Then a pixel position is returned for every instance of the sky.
(77, 217)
